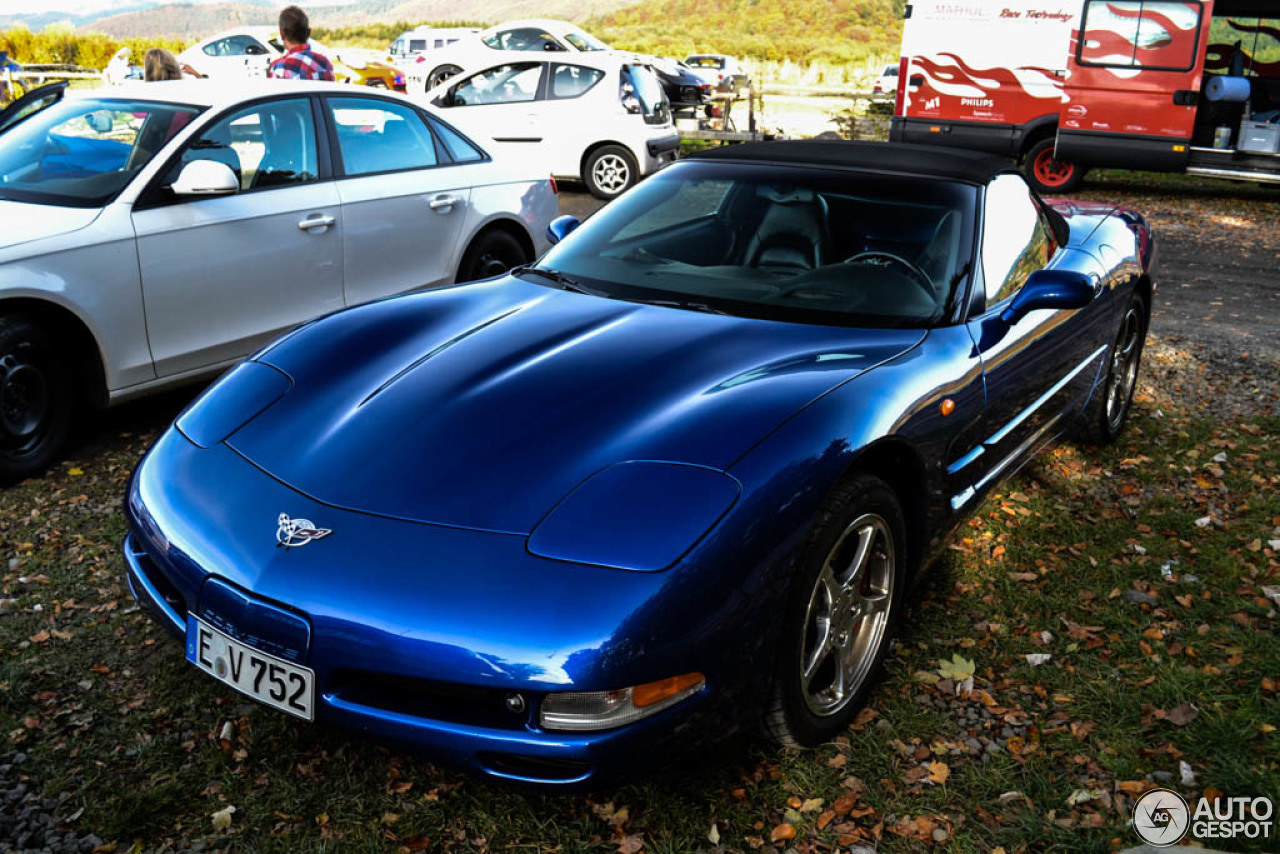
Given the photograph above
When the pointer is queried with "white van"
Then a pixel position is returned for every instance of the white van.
(412, 43)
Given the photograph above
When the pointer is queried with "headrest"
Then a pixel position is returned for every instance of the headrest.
(785, 195)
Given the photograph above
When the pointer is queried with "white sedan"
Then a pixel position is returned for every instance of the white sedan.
(156, 233)
(488, 47)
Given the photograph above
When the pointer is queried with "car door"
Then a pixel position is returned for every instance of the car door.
(502, 102)
(1039, 369)
(403, 203)
(223, 275)
(31, 103)
(565, 115)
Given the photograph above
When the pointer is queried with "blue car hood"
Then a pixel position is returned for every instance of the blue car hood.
(482, 406)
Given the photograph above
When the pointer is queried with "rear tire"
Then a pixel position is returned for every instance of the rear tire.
(491, 254)
(844, 602)
(36, 399)
(1048, 174)
(610, 171)
(1104, 417)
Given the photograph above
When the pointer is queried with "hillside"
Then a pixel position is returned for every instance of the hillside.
(183, 21)
(830, 31)
(188, 21)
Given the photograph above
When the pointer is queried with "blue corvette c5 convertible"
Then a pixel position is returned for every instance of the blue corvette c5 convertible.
(669, 483)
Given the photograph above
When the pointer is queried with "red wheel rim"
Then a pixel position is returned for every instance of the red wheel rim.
(1050, 171)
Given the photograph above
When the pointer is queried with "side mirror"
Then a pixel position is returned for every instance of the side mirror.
(101, 121)
(255, 50)
(1060, 289)
(205, 178)
(561, 227)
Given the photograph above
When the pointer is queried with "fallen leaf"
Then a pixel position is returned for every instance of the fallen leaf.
(713, 835)
(783, 832)
(938, 772)
(222, 818)
(632, 844)
(1183, 715)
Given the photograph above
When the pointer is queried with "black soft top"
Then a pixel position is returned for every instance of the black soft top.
(925, 160)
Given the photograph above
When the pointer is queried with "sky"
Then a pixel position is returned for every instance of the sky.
(88, 7)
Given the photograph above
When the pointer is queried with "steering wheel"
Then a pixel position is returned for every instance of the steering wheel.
(922, 278)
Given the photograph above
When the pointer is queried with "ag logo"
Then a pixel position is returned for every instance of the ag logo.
(1161, 817)
(293, 533)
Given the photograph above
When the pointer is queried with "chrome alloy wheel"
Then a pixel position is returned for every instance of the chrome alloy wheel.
(1124, 367)
(848, 615)
(611, 174)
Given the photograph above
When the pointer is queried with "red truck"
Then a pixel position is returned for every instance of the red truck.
(1066, 85)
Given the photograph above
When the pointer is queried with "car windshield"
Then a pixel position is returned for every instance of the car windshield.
(801, 244)
(81, 152)
(705, 61)
(584, 41)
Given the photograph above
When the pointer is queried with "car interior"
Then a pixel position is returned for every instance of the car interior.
(777, 243)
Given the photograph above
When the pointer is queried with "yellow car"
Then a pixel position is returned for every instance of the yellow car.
(362, 67)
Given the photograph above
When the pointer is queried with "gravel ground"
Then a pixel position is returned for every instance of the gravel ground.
(29, 822)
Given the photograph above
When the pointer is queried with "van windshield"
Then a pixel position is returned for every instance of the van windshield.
(81, 152)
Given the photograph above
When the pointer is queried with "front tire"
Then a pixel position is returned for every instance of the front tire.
(610, 171)
(36, 399)
(441, 74)
(844, 602)
(1048, 174)
(492, 254)
(1105, 415)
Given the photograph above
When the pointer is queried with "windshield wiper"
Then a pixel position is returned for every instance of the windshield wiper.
(675, 303)
(566, 282)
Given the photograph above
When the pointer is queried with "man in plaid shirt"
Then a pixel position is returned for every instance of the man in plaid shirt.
(299, 62)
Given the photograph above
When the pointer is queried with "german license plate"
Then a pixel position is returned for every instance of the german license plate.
(266, 678)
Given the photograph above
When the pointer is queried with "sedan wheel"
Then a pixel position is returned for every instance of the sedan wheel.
(441, 74)
(35, 400)
(492, 254)
(609, 171)
(841, 609)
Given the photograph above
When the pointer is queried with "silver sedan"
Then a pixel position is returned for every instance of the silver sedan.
(152, 234)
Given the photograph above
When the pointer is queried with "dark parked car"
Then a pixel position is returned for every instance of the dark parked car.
(684, 90)
(669, 482)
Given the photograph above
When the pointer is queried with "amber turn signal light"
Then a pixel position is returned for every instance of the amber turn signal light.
(655, 692)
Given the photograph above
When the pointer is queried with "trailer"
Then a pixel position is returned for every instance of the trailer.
(1162, 85)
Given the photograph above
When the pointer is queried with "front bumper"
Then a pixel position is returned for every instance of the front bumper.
(417, 657)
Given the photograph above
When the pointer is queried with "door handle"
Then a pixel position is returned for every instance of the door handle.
(318, 221)
(1186, 97)
(443, 204)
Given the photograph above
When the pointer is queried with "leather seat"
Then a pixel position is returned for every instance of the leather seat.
(793, 234)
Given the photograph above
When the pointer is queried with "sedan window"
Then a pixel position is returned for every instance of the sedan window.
(460, 150)
(1016, 239)
(266, 145)
(82, 151)
(381, 136)
(524, 38)
(235, 46)
(506, 84)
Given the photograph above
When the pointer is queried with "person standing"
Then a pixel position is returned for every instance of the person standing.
(299, 62)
